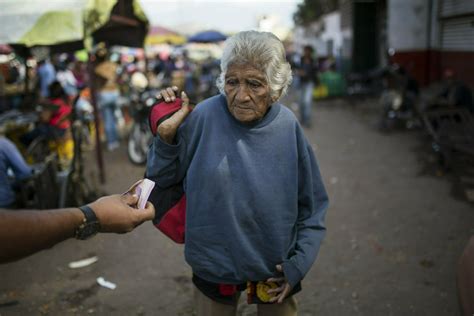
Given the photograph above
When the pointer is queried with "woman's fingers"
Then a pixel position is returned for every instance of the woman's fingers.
(276, 280)
(284, 293)
(280, 297)
(168, 94)
(276, 290)
(171, 93)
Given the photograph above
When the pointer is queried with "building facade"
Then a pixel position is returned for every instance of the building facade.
(424, 36)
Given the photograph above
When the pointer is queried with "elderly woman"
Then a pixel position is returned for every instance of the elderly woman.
(255, 199)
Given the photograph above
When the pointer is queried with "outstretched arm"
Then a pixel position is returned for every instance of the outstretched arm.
(23, 233)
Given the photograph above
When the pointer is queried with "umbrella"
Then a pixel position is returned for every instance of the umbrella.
(207, 37)
(50, 23)
(162, 35)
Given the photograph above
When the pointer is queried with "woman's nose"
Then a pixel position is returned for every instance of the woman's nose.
(243, 93)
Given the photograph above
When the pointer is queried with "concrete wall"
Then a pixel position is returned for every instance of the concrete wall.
(407, 24)
(413, 33)
(332, 31)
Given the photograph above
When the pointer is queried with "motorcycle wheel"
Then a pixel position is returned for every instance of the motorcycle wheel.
(138, 143)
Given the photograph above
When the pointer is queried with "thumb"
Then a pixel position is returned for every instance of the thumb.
(148, 213)
(185, 104)
(130, 199)
(133, 187)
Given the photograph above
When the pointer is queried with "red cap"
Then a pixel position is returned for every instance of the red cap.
(448, 73)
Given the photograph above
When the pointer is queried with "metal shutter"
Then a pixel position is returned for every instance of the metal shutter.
(458, 34)
(451, 8)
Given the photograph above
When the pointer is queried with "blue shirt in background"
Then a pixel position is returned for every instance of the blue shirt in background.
(10, 158)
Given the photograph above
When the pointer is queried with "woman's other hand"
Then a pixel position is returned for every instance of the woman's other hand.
(283, 288)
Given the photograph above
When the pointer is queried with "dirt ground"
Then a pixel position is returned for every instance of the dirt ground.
(395, 233)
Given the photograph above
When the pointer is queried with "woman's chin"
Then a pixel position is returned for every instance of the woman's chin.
(244, 115)
(245, 118)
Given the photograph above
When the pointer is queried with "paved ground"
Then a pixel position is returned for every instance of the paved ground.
(395, 232)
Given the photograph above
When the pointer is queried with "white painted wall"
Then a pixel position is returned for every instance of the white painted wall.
(332, 32)
(409, 22)
(304, 36)
(328, 27)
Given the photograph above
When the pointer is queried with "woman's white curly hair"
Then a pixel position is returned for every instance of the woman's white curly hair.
(262, 50)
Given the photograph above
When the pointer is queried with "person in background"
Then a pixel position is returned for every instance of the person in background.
(54, 116)
(308, 74)
(11, 162)
(107, 95)
(66, 78)
(46, 76)
(60, 118)
(79, 71)
(455, 93)
(25, 232)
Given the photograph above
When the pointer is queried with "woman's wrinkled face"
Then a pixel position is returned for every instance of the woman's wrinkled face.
(247, 92)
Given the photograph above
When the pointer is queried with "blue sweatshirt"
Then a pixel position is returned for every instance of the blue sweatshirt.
(254, 193)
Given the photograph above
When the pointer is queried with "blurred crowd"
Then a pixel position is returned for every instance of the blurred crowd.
(42, 96)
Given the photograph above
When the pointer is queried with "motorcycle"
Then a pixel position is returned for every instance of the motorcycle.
(398, 100)
(364, 84)
(140, 137)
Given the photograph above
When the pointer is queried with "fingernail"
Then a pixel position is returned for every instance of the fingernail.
(173, 98)
(167, 99)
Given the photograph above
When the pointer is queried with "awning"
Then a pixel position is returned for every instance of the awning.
(46, 23)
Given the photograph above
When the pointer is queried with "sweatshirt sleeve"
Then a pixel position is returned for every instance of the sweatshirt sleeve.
(15, 160)
(310, 228)
(165, 161)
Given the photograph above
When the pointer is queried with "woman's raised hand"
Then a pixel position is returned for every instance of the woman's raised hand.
(168, 128)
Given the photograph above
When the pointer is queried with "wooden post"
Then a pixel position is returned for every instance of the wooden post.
(98, 145)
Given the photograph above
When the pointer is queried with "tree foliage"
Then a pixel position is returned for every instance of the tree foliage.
(310, 10)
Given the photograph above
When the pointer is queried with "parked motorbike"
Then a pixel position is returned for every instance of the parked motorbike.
(140, 136)
(364, 84)
(398, 100)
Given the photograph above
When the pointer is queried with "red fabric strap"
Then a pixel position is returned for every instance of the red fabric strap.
(162, 109)
(172, 223)
(227, 289)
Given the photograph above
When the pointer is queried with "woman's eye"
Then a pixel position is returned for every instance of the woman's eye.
(254, 84)
(231, 82)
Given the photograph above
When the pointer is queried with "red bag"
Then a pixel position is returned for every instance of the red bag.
(170, 202)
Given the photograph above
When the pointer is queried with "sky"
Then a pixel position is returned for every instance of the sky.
(225, 15)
